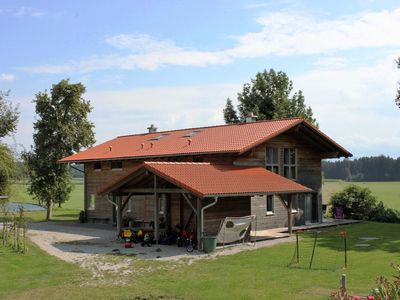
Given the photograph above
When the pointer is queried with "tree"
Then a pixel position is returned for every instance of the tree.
(9, 119)
(269, 96)
(62, 128)
(230, 115)
(398, 90)
(8, 116)
(7, 169)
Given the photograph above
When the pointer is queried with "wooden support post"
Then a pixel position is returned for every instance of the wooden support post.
(117, 201)
(156, 212)
(198, 223)
(289, 209)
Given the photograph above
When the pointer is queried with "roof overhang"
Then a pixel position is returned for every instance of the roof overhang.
(211, 180)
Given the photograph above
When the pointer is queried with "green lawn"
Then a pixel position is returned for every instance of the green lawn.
(387, 192)
(258, 274)
(69, 210)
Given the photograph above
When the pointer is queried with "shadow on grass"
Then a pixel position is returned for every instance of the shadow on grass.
(362, 237)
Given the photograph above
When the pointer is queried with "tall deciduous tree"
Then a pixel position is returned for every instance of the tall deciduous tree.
(62, 128)
(398, 90)
(8, 124)
(269, 96)
(8, 116)
(7, 168)
(230, 115)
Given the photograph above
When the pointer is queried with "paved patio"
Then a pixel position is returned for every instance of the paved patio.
(283, 231)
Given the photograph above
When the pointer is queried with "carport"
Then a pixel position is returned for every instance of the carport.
(202, 185)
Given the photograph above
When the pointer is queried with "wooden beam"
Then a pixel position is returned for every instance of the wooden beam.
(289, 210)
(198, 223)
(117, 200)
(156, 211)
(126, 201)
(190, 203)
(151, 191)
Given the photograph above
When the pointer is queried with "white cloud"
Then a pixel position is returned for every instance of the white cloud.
(355, 105)
(292, 34)
(331, 61)
(281, 34)
(7, 77)
(131, 111)
(28, 11)
(166, 107)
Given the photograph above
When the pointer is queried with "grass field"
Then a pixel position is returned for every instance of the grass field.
(258, 274)
(387, 192)
(69, 210)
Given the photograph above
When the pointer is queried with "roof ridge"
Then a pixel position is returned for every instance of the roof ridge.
(211, 126)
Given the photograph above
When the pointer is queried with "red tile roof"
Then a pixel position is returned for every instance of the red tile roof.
(206, 179)
(235, 138)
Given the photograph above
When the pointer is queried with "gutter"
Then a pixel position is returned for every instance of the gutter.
(202, 218)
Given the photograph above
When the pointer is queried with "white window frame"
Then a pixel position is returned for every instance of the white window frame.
(290, 165)
(272, 165)
(270, 212)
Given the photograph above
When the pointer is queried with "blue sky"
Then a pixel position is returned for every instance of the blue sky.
(174, 63)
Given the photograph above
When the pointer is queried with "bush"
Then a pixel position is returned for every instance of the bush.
(358, 203)
(384, 214)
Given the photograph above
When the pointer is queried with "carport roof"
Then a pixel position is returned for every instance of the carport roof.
(209, 180)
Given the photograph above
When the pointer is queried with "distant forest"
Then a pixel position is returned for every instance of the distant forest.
(374, 168)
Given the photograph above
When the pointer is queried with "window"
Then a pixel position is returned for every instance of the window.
(272, 160)
(270, 205)
(159, 137)
(116, 165)
(289, 163)
(92, 202)
(192, 133)
(97, 166)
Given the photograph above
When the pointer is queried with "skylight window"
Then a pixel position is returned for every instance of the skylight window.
(159, 137)
(191, 134)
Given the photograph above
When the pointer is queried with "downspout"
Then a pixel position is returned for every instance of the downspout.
(202, 218)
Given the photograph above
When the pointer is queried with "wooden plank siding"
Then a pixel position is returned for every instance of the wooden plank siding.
(225, 207)
(264, 221)
(308, 167)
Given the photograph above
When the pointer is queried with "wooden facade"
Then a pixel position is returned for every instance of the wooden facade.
(178, 211)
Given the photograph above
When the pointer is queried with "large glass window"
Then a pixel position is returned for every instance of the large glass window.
(290, 163)
(272, 160)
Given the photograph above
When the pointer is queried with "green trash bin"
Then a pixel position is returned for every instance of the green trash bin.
(209, 243)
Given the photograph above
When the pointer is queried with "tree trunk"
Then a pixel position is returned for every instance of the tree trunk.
(59, 204)
(49, 214)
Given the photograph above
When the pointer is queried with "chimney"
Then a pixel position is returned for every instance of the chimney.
(251, 118)
(152, 128)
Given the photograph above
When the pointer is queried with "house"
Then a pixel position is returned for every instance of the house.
(198, 176)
